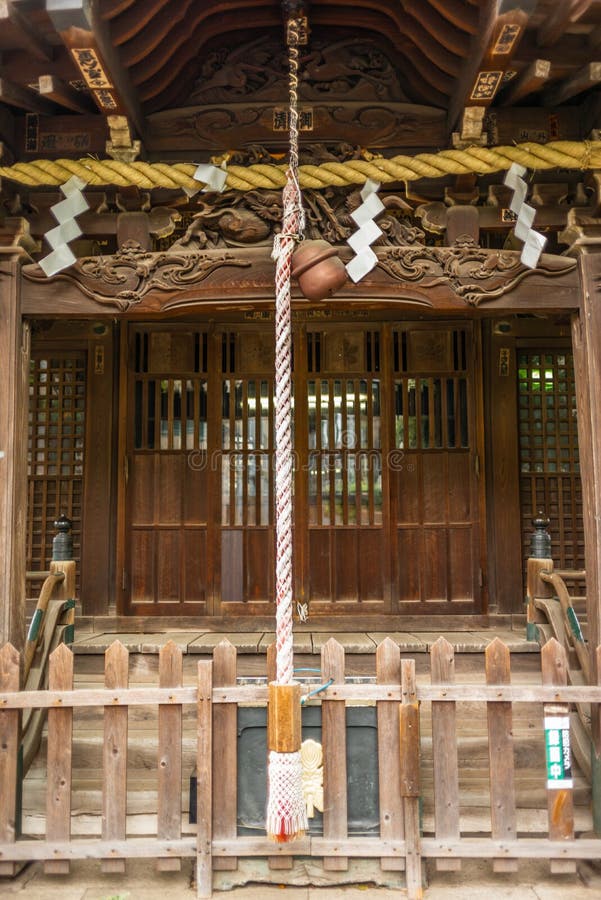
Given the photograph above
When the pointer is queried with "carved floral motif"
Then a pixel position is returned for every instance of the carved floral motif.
(491, 273)
(124, 279)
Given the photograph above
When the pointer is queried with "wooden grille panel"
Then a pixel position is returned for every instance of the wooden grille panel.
(549, 465)
(56, 446)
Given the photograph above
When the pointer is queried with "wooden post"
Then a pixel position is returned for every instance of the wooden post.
(333, 731)
(539, 561)
(388, 671)
(9, 751)
(444, 753)
(586, 342)
(14, 371)
(62, 561)
(114, 786)
(409, 768)
(60, 750)
(225, 754)
(560, 797)
(500, 754)
(204, 772)
(169, 817)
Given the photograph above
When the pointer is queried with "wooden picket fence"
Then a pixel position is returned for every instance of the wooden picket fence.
(399, 846)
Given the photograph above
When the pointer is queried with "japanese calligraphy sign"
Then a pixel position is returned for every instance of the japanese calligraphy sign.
(557, 747)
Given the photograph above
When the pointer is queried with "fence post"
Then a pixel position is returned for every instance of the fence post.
(204, 773)
(333, 737)
(500, 754)
(444, 753)
(169, 775)
(114, 787)
(225, 754)
(539, 560)
(10, 666)
(409, 765)
(388, 671)
(60, 753)
(560, 793)
(62, 561)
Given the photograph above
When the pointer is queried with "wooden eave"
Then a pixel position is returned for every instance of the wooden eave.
(420, 280)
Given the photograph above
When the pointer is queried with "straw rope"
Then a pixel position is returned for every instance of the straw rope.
(473, 160)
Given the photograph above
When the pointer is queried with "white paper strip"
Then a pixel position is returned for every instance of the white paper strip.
(214, 177)
(59, 259)
(67, 229)
(534, 242)
(360, 242)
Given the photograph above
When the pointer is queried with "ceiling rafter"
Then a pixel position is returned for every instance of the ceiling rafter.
(455, 12)
(85, 35)
(531, 80)
(33, 40)
(502, 27)
(453, 39)
(563, 14)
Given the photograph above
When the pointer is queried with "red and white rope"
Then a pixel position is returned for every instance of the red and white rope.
(285, 244)
(283, 434)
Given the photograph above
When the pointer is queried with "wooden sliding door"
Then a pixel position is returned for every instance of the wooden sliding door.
(386, 511)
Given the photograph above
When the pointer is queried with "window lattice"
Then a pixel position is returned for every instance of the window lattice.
(55, 451)
(549, 467)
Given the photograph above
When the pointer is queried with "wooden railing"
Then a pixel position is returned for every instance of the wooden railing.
(216, 695)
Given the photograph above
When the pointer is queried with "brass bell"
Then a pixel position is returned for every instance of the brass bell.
(318, 269)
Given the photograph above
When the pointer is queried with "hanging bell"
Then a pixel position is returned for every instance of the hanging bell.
(318, 269)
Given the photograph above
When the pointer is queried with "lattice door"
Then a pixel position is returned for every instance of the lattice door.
(549, 467)
(57, 396)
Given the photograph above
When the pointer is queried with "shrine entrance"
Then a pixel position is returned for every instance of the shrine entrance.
(386, 486)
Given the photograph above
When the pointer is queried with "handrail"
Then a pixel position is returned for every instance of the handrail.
(563, 595)
(35, 628)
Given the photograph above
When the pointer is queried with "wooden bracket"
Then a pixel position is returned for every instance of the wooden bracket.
(121, 145)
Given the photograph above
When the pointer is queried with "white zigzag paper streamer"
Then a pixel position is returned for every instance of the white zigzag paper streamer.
(214, 178)
(67, 228)
(360, 242)
(534, 243)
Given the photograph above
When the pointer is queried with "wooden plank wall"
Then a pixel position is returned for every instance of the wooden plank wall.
(216, 696)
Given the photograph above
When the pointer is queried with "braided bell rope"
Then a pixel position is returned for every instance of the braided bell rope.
(292, 226)
(474, 160)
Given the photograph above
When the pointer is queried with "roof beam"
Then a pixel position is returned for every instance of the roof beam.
(29, 36)
(560, 18)
(85, 34)
(583, 80)
(531, 80)
(24, 98)
(52, 88)
(500, 28)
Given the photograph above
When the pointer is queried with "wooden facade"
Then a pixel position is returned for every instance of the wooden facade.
(438, 404)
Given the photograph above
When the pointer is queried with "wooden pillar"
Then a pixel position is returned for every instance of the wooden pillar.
(14, 369)
(586, 338)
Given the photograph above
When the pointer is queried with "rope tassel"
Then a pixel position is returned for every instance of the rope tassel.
(286, 807)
